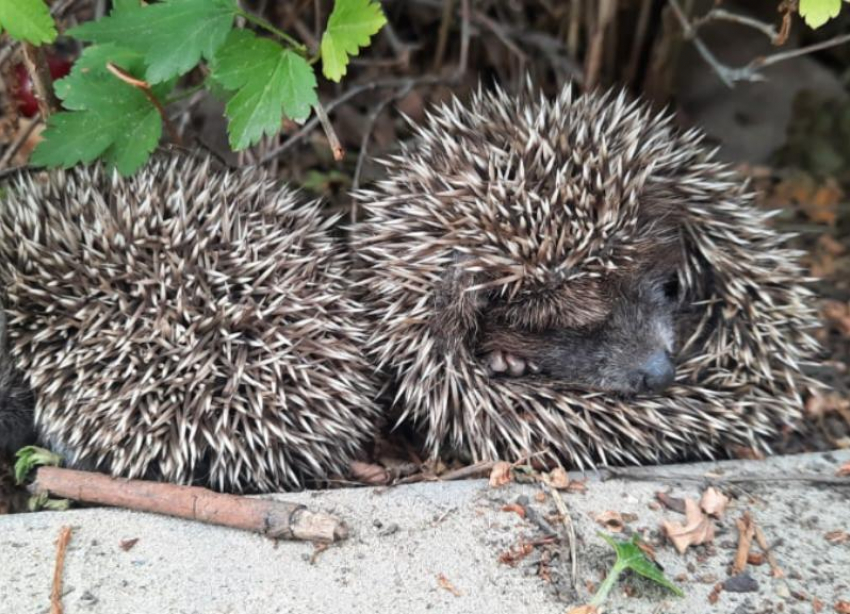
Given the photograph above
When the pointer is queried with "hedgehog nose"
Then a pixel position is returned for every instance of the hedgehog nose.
(657, 372)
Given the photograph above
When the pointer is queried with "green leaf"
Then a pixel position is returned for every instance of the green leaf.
(83, 87)
(72, 137)
(630, 556)
(27, 20)
(172, 35)
(350, 27)
(30, 457)
(106, 117)
(268, 81)
(818, 12)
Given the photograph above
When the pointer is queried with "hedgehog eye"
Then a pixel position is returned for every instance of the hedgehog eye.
(671, 287)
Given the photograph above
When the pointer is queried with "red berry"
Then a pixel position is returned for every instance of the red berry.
(27, 102)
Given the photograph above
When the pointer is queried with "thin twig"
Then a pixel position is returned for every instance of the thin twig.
(775, 569)
(639, 41)
(501, 34)
(793, 53)
(749, 72)
(593, 64)
(723, 15)
(690, 34)
(646, 474)
(574, 30)
(470, 471)
(20, 139)
(42, 83)
(370, 126)
(327, 126)
(58, 569)
(464, 38)
(443, 35)
(145, 88)
(345, 97)
(564, 512)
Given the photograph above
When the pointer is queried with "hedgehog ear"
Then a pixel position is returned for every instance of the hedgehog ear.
(457, 305)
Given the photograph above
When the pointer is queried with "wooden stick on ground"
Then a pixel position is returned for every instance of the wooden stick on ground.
(56, 591)
(275, 519)
(746, 531)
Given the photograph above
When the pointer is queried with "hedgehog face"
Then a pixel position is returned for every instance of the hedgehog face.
(624, 344)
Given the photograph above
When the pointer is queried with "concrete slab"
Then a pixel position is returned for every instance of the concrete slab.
(410, 543)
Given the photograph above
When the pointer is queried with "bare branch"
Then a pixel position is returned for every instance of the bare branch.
(345, 97)
(750, 72)
(42, 83)
(333, 140)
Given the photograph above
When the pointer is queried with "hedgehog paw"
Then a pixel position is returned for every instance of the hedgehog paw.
(499, 362)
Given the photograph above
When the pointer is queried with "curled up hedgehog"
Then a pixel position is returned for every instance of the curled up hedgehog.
(184, 324)
(577, 279)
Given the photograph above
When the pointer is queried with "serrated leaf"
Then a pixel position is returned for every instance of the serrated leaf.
(350, 27)
(818, 12)
(27, 20)
(268, 80)
(84, 84)
(133, 141)
(107, 118)
(172, 35)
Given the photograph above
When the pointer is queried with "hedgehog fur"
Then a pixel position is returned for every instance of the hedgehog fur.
(16, 402)
(530, 209)
(185, 324)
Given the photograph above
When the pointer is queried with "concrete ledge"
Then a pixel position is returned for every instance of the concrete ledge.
(406, 538)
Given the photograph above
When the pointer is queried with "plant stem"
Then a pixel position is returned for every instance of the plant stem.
(607, 584)
(186, 93)
(259, 21)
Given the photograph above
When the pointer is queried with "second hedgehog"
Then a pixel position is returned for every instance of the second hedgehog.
(577, 279)
(184, 324)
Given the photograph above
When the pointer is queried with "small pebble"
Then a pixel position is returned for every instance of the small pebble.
(742, 583)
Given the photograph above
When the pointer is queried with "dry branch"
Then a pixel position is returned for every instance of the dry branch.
(746, 532)
(58, 568)
(42, 84)
(275, 519)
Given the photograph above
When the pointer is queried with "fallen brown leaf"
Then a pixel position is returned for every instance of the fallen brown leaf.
(500, 474)
(817, 605)
(713, 502)
(671, 503)
(558, 478)
(698, 528)
(444, 582)
(843, 470)
(842, 607)
(611, 520)
(837, 537)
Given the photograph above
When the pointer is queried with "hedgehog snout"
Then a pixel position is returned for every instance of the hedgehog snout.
(656, 373)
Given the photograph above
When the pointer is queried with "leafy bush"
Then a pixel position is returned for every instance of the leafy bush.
(115, 96)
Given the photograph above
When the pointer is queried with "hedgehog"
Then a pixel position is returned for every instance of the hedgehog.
(16, 402)
(186, 324)
(579, 281)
